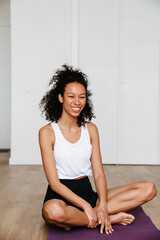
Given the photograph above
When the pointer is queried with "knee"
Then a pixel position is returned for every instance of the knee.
(150, 191)
(54, 213)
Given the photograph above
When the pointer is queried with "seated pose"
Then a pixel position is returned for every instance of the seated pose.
(70, 153)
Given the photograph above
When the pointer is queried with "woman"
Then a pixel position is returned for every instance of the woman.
(70, 147)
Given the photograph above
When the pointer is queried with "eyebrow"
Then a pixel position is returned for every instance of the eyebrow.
(73, 93)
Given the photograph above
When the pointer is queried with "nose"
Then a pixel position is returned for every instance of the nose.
(76, 101)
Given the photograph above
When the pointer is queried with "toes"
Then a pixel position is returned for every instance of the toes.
(130, 216)
(68, 228)
(129, 219)
(126, 221)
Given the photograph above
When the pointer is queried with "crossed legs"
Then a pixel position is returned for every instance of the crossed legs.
(120, 200)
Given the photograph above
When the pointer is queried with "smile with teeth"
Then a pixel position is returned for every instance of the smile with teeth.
(76, 109)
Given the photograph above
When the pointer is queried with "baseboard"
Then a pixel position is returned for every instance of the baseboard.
(2, 150)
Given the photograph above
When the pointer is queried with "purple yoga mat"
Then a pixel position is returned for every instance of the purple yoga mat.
(141, 229)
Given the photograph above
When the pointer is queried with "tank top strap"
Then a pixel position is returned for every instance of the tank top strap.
(55, 129)
(86, 134)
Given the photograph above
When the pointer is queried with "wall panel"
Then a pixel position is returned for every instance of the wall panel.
(139, 81)
(98, 57)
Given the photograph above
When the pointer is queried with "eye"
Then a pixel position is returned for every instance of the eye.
(70, 96)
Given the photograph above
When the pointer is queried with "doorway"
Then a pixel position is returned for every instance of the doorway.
(5, 78)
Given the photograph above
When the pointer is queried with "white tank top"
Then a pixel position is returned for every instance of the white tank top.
(72, 159)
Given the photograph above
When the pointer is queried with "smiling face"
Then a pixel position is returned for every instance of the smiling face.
(74, 99)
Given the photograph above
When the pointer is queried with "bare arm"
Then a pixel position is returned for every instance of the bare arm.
(99, 178)
(96, 160)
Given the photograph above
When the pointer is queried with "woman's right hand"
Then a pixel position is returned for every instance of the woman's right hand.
(92, 217)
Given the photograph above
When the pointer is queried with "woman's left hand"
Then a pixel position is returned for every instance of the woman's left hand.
(104, 220)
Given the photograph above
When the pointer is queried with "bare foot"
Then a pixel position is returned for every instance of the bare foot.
(122, 218)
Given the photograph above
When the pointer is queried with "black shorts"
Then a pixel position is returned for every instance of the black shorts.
(82, 187)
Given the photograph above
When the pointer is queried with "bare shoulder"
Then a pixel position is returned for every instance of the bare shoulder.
(46, 132)
(92, 129)
(91, 126)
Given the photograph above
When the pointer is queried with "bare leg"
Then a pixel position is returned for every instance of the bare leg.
(124, 198)
(120, 200)
(130, 196)
(57, 212)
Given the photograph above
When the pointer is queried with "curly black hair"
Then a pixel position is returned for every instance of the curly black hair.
(50, 105)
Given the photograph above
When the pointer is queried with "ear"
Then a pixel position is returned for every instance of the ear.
(60, 98)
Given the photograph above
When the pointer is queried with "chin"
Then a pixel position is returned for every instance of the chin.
(75, 114)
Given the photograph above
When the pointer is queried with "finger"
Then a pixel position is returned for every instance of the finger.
(112, 228)
(99, 221)
(102, 227)
(92, 223)
(108, 228)
(95, 222)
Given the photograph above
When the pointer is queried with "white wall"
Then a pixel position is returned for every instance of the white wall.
(139, 82)
(99, 57)
(116, 42)
(5, 80)
(119, 48)
(40, 43)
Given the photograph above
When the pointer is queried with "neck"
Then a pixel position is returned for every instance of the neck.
(67, 121)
